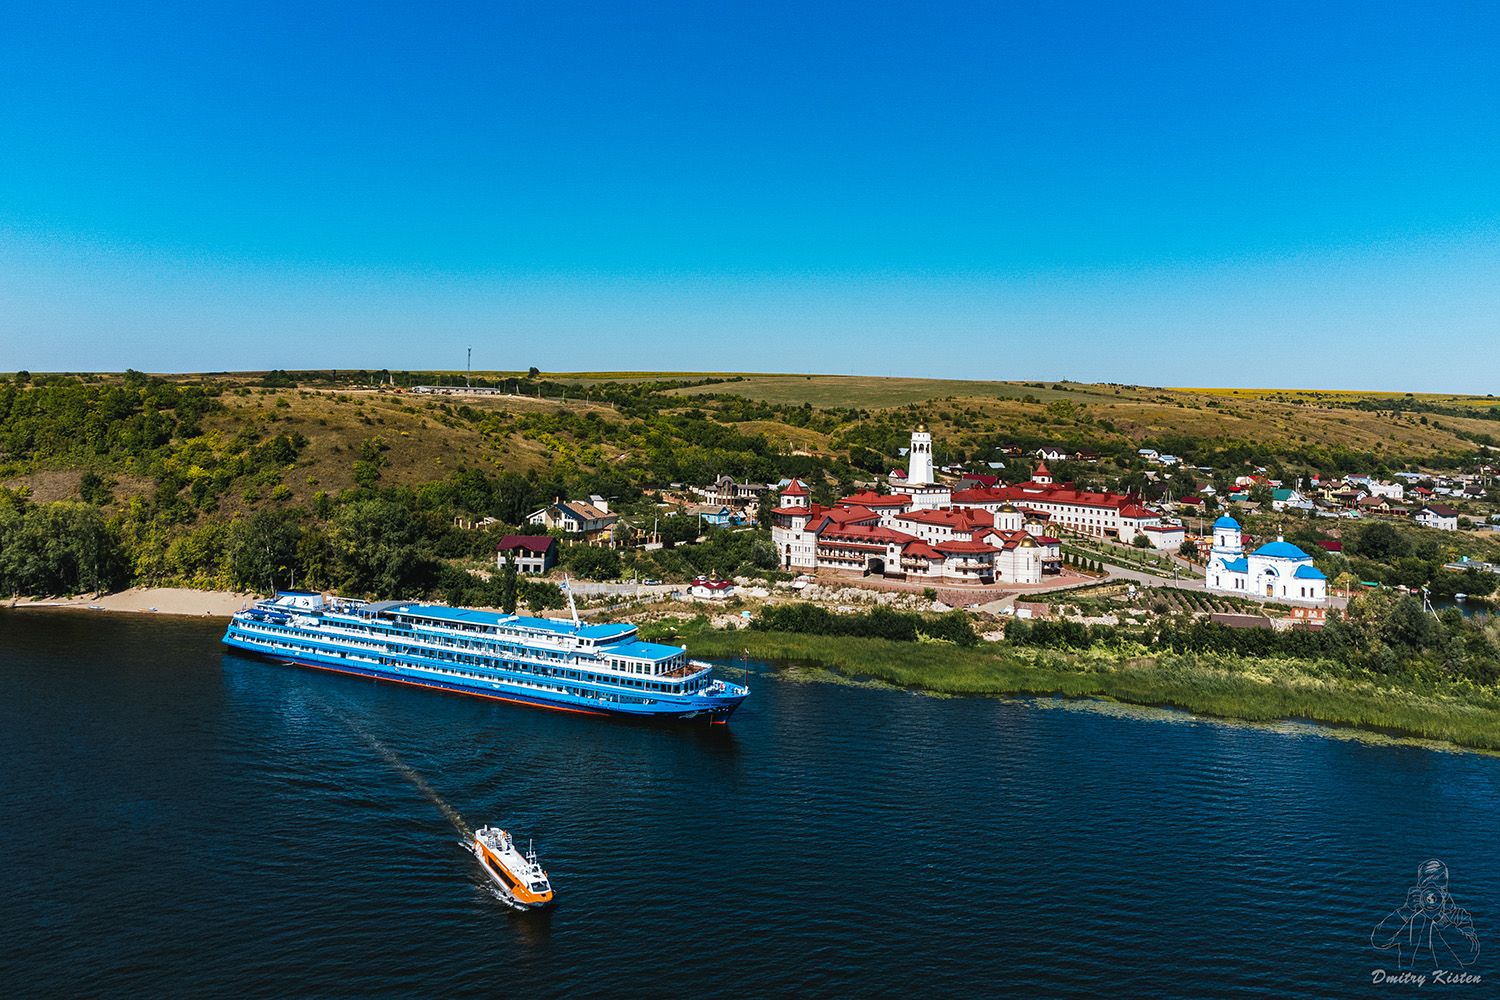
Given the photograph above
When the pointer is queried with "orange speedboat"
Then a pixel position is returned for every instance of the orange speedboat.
(520, 878)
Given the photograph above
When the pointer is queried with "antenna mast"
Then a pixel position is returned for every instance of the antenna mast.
(468, 370)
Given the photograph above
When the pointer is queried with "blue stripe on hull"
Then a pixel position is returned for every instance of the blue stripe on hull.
(709, 713)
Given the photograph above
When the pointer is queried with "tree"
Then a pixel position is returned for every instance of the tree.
(540, 595)
(1380, 542)
(594, 563)
(263, 549)
(381, 548)
(1188, 549)
(508, 588)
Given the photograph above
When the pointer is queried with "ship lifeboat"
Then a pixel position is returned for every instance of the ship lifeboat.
(520, 879)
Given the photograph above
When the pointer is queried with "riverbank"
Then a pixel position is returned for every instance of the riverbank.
(152, 600)
(1231, 687)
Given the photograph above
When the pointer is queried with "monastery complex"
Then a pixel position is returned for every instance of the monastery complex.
(929, 531)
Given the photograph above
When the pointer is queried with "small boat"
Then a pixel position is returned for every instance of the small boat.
(1460, 598)
(520, 878)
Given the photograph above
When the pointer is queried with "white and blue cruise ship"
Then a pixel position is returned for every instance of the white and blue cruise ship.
(551, 662)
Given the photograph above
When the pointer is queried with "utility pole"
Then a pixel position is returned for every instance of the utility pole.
(469, 370)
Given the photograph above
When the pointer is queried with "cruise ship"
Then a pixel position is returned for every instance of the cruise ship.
(550, 662)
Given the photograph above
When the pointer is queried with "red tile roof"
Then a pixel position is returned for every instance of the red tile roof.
(875, 500)
(794, 489)
(956, 546)
(532, 543)
(1137, 512)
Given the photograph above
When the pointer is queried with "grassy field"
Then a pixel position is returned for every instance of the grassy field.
(1221, 686)
(1271, 416)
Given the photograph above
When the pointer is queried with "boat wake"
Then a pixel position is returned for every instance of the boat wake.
(406, 771)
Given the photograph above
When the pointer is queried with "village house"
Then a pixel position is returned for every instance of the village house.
(531, 553)
(1282, 499)
(720, 515)
(711, 588)
(728, 493)
(587, 520)
(1436, 515)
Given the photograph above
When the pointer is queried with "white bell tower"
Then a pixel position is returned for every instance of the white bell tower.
(919, 459)
(1228, 540)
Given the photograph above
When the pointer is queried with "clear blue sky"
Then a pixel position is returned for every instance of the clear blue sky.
(1203, 193)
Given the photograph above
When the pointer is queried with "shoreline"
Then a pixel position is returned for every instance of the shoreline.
(182, 601)
(1217, 687)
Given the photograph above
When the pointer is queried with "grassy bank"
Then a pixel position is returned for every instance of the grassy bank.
(1231, 687)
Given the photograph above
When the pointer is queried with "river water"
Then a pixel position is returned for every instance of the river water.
(182, 821)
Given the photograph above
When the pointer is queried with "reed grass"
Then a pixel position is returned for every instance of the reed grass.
(1231, 687)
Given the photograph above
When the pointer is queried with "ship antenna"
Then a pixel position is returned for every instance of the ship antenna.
(568, 585)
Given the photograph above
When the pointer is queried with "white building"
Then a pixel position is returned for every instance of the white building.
(1436, 515)
(576, 517)
(1277, 570)
(1165, 537)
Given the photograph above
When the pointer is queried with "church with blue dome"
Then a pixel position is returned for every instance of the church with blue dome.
(1277, 570)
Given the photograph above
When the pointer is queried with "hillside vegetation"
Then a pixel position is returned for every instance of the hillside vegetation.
(185, 478)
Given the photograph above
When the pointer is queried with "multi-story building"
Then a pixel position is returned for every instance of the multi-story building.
(531, 553)
(577, 518)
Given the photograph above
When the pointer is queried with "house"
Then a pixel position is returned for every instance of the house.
(1054, 453)
(1391, 491)
(532, 553)
(1436, 515)
(711, 588)
(729, 493)
(1374, 505)
(973, 479)
(1085, 455)
(576, 518)
(1277, 570)
(717, 514)
(1282, 499)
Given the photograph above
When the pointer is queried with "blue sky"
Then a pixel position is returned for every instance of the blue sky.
(1200, 194)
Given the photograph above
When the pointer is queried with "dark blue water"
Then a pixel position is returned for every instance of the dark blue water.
(180, 821)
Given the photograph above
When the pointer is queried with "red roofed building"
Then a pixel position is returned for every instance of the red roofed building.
(1107, 515)
(532, 553)
(897, 503)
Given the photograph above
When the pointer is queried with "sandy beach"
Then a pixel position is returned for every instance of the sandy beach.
(153, 600)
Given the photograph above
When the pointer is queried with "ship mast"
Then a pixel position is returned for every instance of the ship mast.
(568, 586)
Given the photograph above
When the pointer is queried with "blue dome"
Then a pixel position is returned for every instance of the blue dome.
(1281, 550)
(1227, 522)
